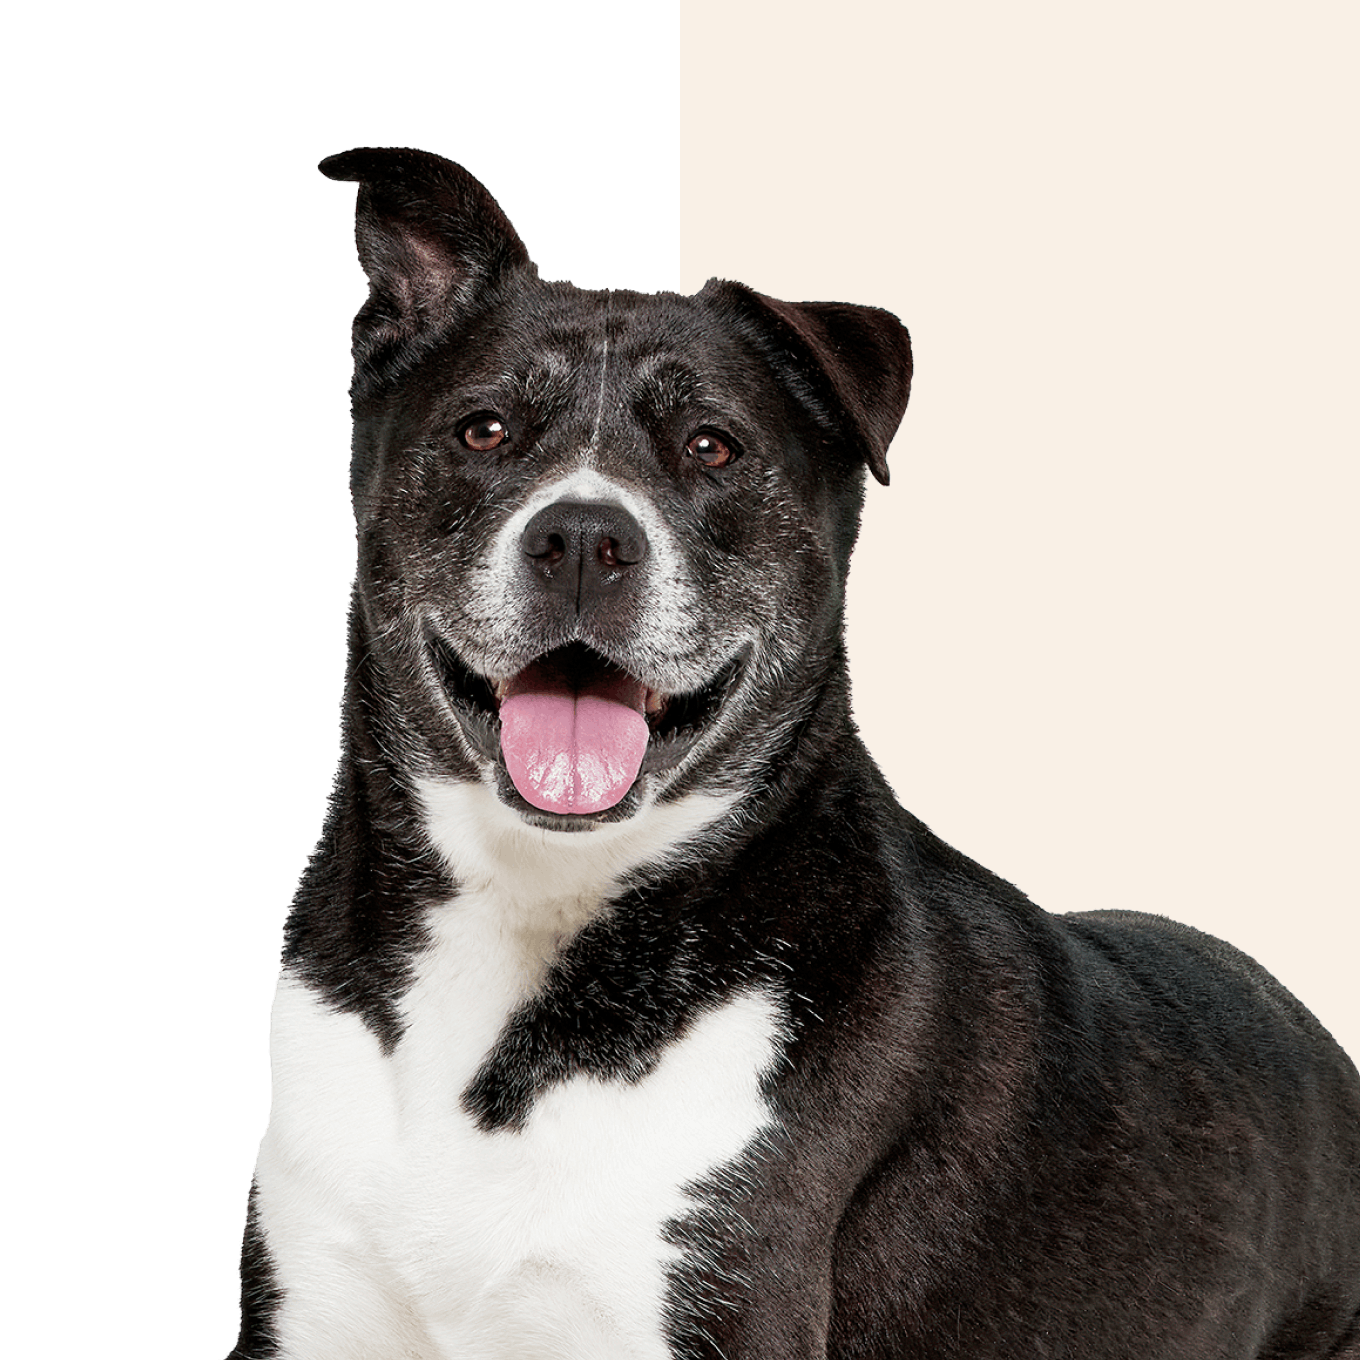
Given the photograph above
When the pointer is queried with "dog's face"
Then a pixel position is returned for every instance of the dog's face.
(603, 536)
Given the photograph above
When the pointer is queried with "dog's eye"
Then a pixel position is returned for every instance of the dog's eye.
(484, 433)
(712, 450)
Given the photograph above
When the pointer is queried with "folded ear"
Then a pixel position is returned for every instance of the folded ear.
(431, 240)
(851, 365)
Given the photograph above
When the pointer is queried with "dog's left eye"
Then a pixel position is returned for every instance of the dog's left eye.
(484, 433)
(711, 449)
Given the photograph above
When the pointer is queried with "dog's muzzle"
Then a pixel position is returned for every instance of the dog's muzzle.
(579, 722)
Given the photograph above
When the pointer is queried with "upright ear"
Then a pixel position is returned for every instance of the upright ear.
(431, 240)
(851, 365)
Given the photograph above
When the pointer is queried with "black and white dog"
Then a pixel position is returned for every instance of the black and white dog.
(624, 1013)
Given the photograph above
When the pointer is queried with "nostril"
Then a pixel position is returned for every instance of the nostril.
(551, 548)
(615, 553)
(624, 551)
(545, 547)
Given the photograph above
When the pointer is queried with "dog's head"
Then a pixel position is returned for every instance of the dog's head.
(603, 535)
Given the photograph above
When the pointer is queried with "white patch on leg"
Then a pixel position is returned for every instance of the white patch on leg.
(324, 1167)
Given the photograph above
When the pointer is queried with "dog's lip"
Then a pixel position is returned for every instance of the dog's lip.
(677, 718)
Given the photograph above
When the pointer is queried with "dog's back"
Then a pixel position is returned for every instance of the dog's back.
(1177, 1173)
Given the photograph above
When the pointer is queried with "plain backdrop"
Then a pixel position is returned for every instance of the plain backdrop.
(1103, 623)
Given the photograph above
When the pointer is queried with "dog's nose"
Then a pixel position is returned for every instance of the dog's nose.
(582, 548)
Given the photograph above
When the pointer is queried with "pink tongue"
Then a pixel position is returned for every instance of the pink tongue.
(573, 750)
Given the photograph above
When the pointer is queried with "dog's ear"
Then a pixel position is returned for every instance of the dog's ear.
(430, 238)
(850, 365)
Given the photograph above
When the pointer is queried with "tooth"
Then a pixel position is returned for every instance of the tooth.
(499, 688)
(655, 701)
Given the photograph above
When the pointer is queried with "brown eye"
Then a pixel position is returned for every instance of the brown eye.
(711, 450)
(484, 433)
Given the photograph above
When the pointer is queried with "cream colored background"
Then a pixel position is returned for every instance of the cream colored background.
(1103, 622)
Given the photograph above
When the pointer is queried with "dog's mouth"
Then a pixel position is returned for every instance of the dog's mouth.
(573, 730)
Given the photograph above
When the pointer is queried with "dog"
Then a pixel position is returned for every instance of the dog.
(624, 1012)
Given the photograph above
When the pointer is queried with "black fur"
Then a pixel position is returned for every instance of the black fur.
(1000, 1133)
(260, 1294)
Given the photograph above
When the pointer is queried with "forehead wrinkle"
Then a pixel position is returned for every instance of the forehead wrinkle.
(547, 383)
(663, 387)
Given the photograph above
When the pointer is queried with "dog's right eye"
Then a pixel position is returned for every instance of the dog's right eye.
(484, 433)
(712, 449)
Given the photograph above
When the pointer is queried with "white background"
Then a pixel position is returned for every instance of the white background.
(1102, 624)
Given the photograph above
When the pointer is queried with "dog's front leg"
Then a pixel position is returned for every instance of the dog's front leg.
(759, 1283)
(259, 1292)
(781, 1327)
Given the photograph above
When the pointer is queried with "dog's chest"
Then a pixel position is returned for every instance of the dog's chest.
(546, 1240)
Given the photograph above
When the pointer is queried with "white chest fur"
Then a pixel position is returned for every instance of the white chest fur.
(399, 1229)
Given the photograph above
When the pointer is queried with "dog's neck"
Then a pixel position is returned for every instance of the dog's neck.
(432, 836)
(554, 880)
